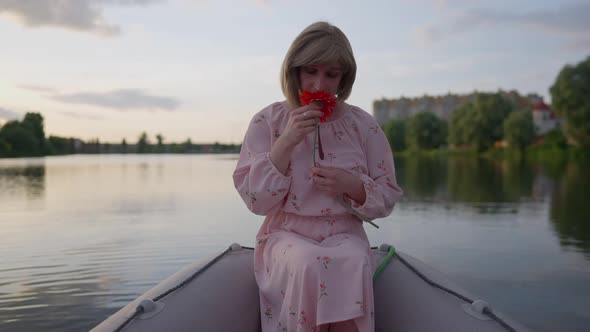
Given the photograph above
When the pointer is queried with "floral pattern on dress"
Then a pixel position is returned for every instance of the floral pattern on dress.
(295, 202)
(302, 319)
(252, 197)
(259, 119)
(361, 305)
(325, 261)
(289, 246)
(331, 157)
(323, 291)
(370, 184)
(326, 215)
(274, 192)
(282, 327)
(268, 313)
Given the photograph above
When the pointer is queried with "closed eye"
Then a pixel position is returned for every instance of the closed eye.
(333, 74)
(309, 70)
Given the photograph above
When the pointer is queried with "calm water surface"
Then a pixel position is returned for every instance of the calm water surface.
(81, 236)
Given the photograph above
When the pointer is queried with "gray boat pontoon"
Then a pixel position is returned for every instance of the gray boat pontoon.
(409, 296)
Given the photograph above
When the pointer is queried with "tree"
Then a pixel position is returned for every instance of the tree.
(187, 146)
(34, 122)
(124, 146)
(60, 145)
(458, 125)
(519, 129)
(160, 139)
(555, 139)
(5, 148)
(426, 131)
(481, 122)
(395, 130)
(20, 139)
(143, 144)
(570, 95)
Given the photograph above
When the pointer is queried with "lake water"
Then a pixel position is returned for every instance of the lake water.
(81, 236)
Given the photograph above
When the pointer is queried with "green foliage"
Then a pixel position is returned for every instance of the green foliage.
(187, 146)
(479, 123)
(34, 122)
(426, 131)
(519, 129)
(570, 95)
(160, 147)
(143, 144)
(60, 145)
(19, 140)
(555, 139)
(5, 148)
(395, 130)
(458, 125)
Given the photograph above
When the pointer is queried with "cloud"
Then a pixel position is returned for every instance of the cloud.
(82, 116)
(37, 88)
(8, 115)
(121, 100)
(581, 44)
(79, 15)
(569, 21)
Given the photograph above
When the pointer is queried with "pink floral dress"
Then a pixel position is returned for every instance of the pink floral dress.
(312, 259)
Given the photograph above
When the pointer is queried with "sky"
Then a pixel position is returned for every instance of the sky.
(200, 69)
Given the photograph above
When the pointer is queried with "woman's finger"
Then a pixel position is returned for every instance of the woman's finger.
(309, 122)
(325, 188)
(319, 171)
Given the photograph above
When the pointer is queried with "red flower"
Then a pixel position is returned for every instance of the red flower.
(328, 101)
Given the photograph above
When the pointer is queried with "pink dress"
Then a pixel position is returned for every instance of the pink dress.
(312, 259)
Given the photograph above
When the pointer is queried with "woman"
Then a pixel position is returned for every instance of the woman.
(312, 259)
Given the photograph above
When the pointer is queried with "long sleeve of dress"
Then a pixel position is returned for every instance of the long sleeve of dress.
(257, 180)
(382, 191)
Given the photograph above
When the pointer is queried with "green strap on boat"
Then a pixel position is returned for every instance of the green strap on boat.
(384, 263)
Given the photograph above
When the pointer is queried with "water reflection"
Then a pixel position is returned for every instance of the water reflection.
(499, 187)
(465, 179)
(422, 178)
(479, 180)
(27, 179)
(570, 211)
(111, 227)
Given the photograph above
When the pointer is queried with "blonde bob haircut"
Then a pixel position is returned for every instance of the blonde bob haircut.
(319, 43)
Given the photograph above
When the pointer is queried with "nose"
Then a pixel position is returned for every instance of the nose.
(317, 84)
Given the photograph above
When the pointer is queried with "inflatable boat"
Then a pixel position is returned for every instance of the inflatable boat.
(220, 294)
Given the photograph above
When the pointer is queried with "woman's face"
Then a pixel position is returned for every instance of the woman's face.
(320, 77)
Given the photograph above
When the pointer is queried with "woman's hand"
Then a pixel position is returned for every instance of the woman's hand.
(337, 181)
(301, 122)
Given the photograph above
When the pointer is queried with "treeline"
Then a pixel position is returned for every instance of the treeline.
(477, 125)
(491, 119)
(26, 138)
